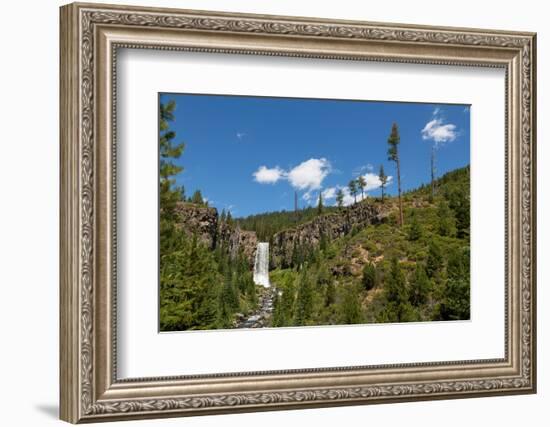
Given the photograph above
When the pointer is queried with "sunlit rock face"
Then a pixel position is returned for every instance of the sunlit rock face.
(330, 226)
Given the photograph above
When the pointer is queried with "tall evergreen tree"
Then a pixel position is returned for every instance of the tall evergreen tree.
(447, 224)
(361, 183)
(415, 229)
(420, 286)
(398, 308)
(383, 180)
(459, 202)
(188, 285)
(352, 186)
(432, 172)
(456, 293)
(393, 155)
(340, 198)
(320, 204)
(304, 299)
(434, 263)
(169, 151)
(350, 307)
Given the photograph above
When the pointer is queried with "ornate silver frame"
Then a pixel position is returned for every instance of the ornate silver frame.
(90, 36)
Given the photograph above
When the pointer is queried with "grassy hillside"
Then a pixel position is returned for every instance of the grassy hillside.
(387, 273)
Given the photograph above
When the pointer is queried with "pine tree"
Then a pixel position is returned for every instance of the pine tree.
(393, 155)
(352, 186)
(369, 277)
(420, 286)
(383, 180)
(432, 172)
(169, 152)
(304, 300)
(197, 198)
(340, 198)
(320, 204)
(447, 223)
(415, 229)
(350, 307)
(398, 308)
(459, 202)
(434, 263)
(455, 303)
(188, 284)
(361, 183)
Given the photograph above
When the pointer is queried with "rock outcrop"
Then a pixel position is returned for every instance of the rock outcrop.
(236, 239)
(330, 226)
(199, 220)
(204, 222)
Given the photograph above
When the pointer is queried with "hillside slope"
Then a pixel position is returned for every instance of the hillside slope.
(385, 273)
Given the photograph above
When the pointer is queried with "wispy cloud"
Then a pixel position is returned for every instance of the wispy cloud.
(438, 131)
(360, 169)
(240, 135)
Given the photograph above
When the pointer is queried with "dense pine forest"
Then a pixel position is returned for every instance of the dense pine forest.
(412, 266)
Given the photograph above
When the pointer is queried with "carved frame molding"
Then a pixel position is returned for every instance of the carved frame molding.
(90, 37)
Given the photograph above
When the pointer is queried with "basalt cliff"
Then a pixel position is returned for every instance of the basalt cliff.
(205, 223)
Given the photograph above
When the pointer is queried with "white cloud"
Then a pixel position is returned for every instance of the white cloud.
(240, 135)
(329, 193)
(373, 181)
(438, 131)
(349, 199)
(307, 196)
(265, 175)
(309, 175)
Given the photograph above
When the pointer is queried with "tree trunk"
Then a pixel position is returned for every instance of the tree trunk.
(399, 191)
(433, 171)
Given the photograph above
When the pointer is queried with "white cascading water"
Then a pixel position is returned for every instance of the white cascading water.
(261, 265)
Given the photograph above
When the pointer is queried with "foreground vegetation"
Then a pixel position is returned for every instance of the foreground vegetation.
(200, 288)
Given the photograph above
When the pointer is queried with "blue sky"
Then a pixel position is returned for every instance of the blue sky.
(249, 154)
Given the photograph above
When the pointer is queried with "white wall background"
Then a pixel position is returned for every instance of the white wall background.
(29, 170)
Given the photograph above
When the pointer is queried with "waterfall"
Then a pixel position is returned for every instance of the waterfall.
(261, 265)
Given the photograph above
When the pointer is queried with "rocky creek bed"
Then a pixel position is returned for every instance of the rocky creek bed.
(261, 317)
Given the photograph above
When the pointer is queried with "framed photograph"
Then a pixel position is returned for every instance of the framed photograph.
(265, 212)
